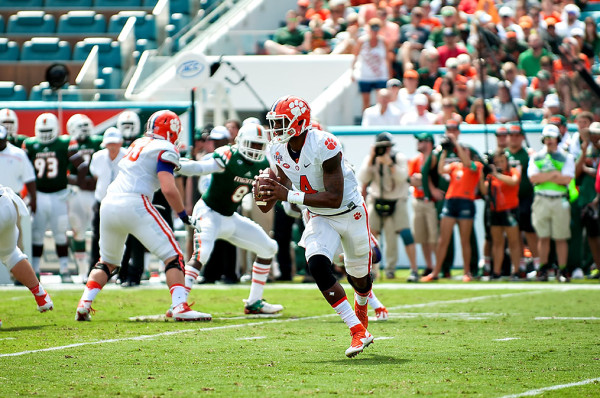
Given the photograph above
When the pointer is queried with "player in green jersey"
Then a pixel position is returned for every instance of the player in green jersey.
(9, 119)
(80, 204)
(233, 169)
(49, 154)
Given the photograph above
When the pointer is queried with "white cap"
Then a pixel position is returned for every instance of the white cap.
(451, 62)
(3, 132)
(551, 100)
(463, 59)
(112, 135)
(595, 128)
(219, 133)
(506, 12)
(484, 18)
(572, 8)
(550, 130)
(420, 99)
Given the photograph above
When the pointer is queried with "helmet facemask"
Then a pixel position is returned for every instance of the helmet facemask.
(252, 142)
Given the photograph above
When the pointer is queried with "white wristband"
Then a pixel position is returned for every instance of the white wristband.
(295, 197)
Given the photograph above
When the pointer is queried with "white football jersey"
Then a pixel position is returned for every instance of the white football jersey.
(137, 170)
(307, 174)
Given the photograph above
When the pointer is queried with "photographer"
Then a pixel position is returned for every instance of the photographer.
(385, 174)
(502, 183)
(459, 203)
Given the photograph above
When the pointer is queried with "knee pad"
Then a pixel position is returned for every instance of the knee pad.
(320, 269)
(177, 263)
(376, 255)
(366, 288)
(78, 245)
(13, 258)
(407, 237)
(62, 250)
(37, 250)
(103, 267)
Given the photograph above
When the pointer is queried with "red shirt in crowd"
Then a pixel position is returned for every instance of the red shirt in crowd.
(504, 196)
(463, 181)
(414, 166)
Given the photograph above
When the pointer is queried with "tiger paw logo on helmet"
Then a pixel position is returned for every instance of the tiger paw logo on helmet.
(297, 108)
(175, 125)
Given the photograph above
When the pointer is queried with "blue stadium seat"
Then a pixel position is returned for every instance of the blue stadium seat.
(178, 20)
(182, 6)
(31, 22)
(2, 25)
(9, 50)
(593, 14)
(69, 3)
(9, 91)
(21, 3)
(109, 51)
(82, 22)
(43, 92)
(145, 25)
(46, 49)
(118, 4)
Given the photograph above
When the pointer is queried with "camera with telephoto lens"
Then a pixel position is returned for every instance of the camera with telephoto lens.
(488, 161)
(380, 150)
(446, 143)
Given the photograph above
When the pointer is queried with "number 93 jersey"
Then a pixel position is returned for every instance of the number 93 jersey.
(50, 161)
(306, 175)
(228, 187)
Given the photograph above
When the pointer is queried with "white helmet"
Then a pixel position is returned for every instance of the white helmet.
(8, 118)
(128, 124)
(46, 128)
(80, 126)
(252, 142)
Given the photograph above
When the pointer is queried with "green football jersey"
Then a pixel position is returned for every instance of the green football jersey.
(520, 160)
(227, 189)
(86, 148)
(18, 140)
(50, 162)
(585, 182)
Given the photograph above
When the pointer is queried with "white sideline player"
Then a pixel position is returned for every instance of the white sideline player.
(11, 208)
(127, 209)
(311, 172)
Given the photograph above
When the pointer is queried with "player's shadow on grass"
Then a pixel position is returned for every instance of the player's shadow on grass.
(368, 359)
(19, 328)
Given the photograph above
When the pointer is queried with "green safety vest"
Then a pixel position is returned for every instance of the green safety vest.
(546, 162)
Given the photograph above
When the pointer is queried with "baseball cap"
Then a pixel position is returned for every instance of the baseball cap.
(420, 99)
(303, 3)
(393, 83)
(219, 133)
(452, 124)
(595, 128)
(411, 74)
(550, 130)
(451, 62)
(426, 136)
(572, 9)
(502, 130)
(112, 135)
(511, 34)
(543, 75)
(515, 128)
(448, 11)
(3, 132)
(558, 120)
(425, 90)
(383, 139)
(506, 12)
(551, 100)
(550, 21)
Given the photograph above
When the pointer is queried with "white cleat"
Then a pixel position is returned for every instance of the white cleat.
(361, 339)
(261, 307)
(183, 312)
(83, 311)
(381, 314)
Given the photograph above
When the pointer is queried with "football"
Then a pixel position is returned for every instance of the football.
(262, 177)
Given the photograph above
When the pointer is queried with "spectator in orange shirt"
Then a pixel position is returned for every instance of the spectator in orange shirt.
(459, 204)
(503, 187)
(480, 114)
(317, 9)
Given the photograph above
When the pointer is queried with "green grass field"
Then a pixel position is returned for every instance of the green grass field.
(488, 340)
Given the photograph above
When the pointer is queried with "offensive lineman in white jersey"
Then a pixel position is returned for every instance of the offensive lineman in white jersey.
(127, 209)
(311, 172)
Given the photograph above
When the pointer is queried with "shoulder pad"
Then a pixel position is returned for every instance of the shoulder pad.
(170, 157)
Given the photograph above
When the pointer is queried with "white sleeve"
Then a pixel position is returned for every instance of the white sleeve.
(199, 167)
(569, 167)
(532, 169)
(94, 164)
(28, 171)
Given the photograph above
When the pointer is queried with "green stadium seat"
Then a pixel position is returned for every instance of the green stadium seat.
(43, 92)
(69, 3)
(592, 7)
(109, 51)
(593, 14)
(2, 24)
(182, 6)
(46, 49)
(31, 22)
(145, 25)
(9, 91)
(82, 22)
(21, 3)
(118, 4)
(9, 50)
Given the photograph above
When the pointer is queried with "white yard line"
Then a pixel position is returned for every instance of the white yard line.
(508, 339)
(175, 332)
(567, 318)
(252, 338)
(552, 388)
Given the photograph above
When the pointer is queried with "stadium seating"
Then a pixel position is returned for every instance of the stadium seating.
(9, 91)
(9, 50)
(118, 4)
(21, 3)
(145, 25)
(593, 14)
(2, 24)
(46, 49)
(84, 21)
(182, 6)
(109, 51)
(43, 92)
(69, 3)
(31, 22)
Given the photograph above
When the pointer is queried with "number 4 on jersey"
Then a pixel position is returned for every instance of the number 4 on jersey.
(305, 185)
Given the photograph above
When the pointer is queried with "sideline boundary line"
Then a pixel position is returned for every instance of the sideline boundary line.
(175, 332)
(538, 391)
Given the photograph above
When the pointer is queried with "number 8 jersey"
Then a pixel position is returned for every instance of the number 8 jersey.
(50, 161)
(227, 188)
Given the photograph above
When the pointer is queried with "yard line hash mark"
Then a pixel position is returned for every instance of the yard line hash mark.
(538, 391)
